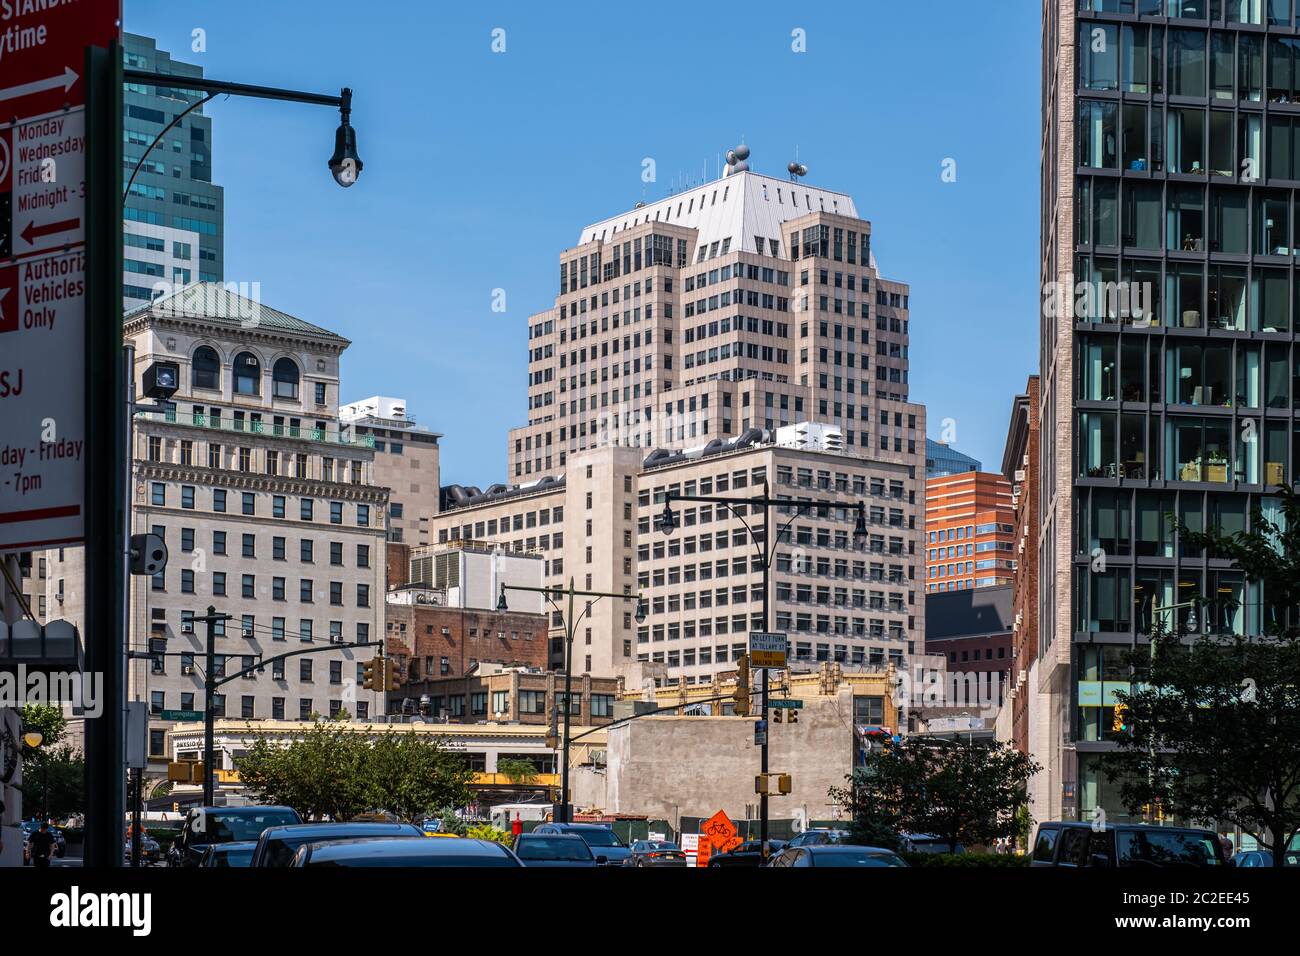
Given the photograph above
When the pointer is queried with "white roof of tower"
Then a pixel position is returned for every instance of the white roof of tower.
(740, 206)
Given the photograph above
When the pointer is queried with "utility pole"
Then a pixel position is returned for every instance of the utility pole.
(209, 710)
(768, 550)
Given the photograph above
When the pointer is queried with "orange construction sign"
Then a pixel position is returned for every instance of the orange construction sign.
(720, 831)
(703, 852)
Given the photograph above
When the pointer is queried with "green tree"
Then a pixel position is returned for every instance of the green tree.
(961, 791)
(1212, 721)
(53, 773)
(412, 775)
(517, 771)
(333, 771)
(451, 822)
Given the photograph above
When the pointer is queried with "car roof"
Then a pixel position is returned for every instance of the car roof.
(553, 836)
(237, 846)
(324, 829)
(389, 846)
(243, 811)
(824, 848)
(581, 826)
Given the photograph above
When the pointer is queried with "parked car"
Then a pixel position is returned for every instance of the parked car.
(836, 855)
(599, 836)
(927, 843)
(205, 826)
(150, 851)
(749, 853)
(818, 836)
(277, 845)
(1074, 845)
(226, 855)
(1253, 858)
(406, 853)
(656, 853)
(555, 849)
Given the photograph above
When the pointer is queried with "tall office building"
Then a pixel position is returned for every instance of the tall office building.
(733, 338)
(969, 531)
(1168, 345)
(940, 459)
(748, 302)
(173, 217)
(406, 462)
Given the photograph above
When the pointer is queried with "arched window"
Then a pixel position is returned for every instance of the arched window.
(284, 379)
(206, 368)
(248, 374)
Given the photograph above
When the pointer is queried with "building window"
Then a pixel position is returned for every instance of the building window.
(284, 378)
(206, 368)
(248, 374)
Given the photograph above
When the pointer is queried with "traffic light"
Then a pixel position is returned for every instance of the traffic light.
(776, 715)
(794, 716)
(741, 696)
(372, 675)
(783, 783)
(760, 783)
(1119, 723)
(390, 680)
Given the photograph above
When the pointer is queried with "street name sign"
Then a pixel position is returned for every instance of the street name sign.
(766, 650)
(788, 703)
(43, 265)
(182, 715)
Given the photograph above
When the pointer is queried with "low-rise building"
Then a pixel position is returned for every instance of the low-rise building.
(430, 640)
(491, 691)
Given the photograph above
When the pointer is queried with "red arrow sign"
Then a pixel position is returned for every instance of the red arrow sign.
(34, 231)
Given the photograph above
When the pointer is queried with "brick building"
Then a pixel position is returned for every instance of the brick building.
(968, 531)
(972, 630)
(429, 640)
(1020, 467)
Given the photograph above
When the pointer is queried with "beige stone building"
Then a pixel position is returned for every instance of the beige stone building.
(749, 302)
(268, 512)
(703, 585)
(406, 462)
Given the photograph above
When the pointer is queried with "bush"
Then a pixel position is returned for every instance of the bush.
(1000, 860)
(486, 831)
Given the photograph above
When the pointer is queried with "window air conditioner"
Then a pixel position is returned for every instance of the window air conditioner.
(187, 627)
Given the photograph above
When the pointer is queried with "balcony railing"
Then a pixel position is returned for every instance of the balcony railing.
(242, 426)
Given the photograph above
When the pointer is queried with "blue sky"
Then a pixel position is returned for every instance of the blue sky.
(481, 167)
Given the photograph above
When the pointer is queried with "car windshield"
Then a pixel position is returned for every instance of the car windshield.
(238, 827)
(1167, 848)
(552, 848)
(600, 836)
(857, 859)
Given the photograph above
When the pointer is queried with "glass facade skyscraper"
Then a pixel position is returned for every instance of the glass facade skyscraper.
(173, 218)
(1171, 161)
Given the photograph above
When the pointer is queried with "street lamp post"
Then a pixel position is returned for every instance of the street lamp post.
(766, 552)
(33, 739)
(570, 628)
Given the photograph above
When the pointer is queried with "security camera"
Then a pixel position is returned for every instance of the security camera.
(162, 380)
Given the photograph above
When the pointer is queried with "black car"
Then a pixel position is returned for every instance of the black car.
(836, 855)
(277, 845)
(401, 852)
(208, 825)
(555, 849)
(600, 837)
(1130, 845)
(227, 855)
(819, 836)
(150, 851)
(749, 853)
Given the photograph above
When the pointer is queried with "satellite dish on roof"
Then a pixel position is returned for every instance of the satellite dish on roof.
(736, 159)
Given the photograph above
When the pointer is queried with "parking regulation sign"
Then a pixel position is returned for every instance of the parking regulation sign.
(767, 650)
(43, 266)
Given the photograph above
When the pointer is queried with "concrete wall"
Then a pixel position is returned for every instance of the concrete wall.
(694, 766)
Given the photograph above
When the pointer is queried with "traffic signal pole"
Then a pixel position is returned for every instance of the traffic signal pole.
(767, 622)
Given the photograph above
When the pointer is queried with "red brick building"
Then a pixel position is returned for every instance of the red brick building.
(1020, 467)
(969, 533)
(430, 641)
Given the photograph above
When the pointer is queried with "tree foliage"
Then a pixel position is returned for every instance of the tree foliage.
(1213, 722)
(517, 771)
(53, 773)
(961, 791)
(334, 772)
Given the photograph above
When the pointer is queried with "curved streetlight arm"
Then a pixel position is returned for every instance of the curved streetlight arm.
(158, 139)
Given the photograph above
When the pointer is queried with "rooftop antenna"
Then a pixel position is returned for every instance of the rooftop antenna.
(797, 169)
